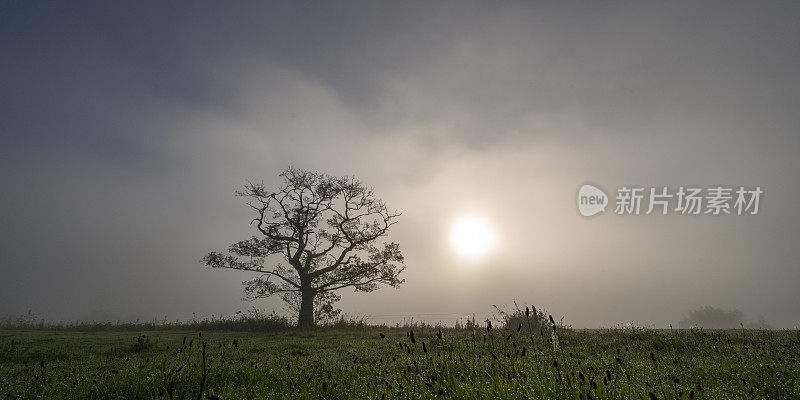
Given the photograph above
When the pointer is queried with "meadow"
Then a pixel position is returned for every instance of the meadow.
(365, 362)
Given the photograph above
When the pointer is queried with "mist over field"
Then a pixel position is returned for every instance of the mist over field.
(125, 131)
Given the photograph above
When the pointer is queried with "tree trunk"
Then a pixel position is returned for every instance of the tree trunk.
(306, 318)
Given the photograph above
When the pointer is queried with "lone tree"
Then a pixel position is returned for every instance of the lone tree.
(327, 230)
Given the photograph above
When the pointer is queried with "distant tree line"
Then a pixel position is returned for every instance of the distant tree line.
(716, 318)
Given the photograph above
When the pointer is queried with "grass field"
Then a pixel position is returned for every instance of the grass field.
(607, 364)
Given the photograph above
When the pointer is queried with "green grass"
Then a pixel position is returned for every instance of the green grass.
(616, 364)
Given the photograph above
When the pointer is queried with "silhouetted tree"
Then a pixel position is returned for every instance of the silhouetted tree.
(326, 229)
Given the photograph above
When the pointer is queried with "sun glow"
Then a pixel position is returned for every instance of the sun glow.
(472, 237)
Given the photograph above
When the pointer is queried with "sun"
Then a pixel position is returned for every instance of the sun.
(472, 237)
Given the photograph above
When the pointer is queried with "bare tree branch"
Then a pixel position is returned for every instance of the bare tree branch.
(326, 228)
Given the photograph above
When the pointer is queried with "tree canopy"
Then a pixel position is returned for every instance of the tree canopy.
(316, 234)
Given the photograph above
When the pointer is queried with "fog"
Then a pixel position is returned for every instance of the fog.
(124, 132)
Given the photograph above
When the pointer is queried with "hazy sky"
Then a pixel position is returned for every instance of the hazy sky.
(124, 131)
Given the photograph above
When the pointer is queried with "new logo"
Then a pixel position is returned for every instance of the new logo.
(591, 200)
